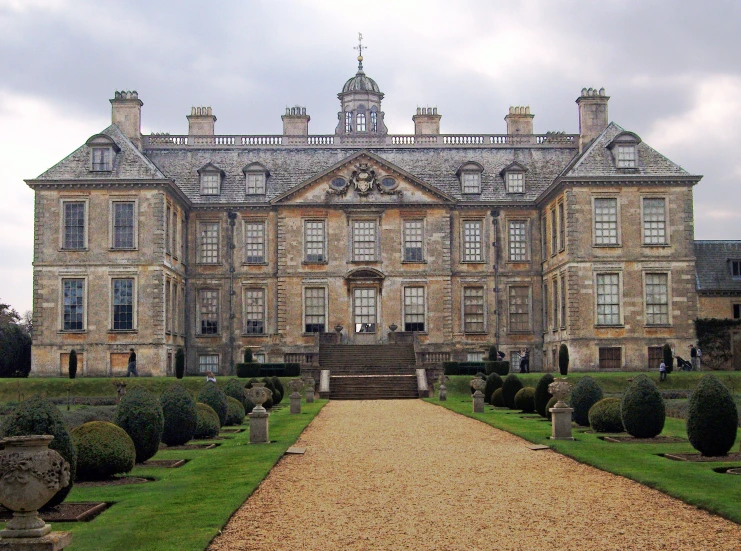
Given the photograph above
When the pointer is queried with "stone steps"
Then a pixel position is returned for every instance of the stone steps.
(372, 387)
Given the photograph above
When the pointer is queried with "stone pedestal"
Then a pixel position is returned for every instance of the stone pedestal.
(443, 393)
(478, 402)
(561, 423)
(295, 403)
(54, 541)
(259, 426)
(310, 395)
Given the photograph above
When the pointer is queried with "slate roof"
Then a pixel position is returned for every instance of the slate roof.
(713, 266)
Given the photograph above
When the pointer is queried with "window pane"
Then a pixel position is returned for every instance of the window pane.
(561, 228)
(123, 225)
(654, 221)
(518, 240)
(554, 232)
(361, 122)
(123, 304)
(364, 306)
(210, 183)
(74, 225)
(102, 158)
(254, 311)
(471, 182)
(168, 217)
(413, 240)
(563, 301)
(208, 362)
(255, 184)
(472, 241)
(314, 240)
(605, 221)
(314, 309)
(608, 299)
(556, 304)
(515, 182)
(374, 121)
(657, 299)
(209, 243)
(73, 309)
(626, 156)
(473, 310)
(209, 312)
(364, 240)
(254, 237)
(348, 121)
(414, 309)
(519, 309)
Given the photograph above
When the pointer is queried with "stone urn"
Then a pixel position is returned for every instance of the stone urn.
(393, 327)
(560, 389)
(310, 387)
(560, 412)
(30, 474)
(258, 395)
(295, 385)
(442, 379)
(478, 385)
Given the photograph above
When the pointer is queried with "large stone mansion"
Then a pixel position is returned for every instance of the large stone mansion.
(215, 243)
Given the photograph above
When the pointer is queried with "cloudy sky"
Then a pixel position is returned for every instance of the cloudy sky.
(672, 69)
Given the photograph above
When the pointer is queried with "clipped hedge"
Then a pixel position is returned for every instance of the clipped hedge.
(584, 395)
(140, 414)
(642, 409)
(712, 418)
(246, 370)
(493, 382)
(496, 398)
(450, 368)
(234, 412)
(103, 450)
(499, 367)
(542, 396)
(38, 415)
(525, 399)
(235, 389)
(212, 395)
(604, 416)
(208, 422)
(510, 388)
(180, 415)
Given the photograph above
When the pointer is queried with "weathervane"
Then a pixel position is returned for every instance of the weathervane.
(359, 48)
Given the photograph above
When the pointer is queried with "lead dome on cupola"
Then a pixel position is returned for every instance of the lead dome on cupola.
(361, 82)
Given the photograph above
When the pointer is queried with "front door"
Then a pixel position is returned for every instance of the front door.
(365, 323)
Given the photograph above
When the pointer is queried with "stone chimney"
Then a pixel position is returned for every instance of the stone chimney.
(519, 121)
(295, 125)
(201, 122)
(592, 114)
(426, 121)
(126, 113)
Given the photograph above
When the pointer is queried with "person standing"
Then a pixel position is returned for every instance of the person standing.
(525, 363)
(131, 369)
(699, 358)
(693, 357)
(662, 371)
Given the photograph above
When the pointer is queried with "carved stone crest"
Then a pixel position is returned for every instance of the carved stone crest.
(363, 178)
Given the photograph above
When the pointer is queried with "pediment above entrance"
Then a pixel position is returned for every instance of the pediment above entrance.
(364, 178)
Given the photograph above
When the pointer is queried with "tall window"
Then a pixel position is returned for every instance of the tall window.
(471, 182)
(654, 221)
(373, 120)
(208, 246)
(556, 304)
(657, 299)
(348, 121)
(254, 239)
(175, 232)
(208, 310)
(561, 228)
(102, 159)
(517, 240)
(210, 183)
(414, 309)
(364, 240)
(473, 310)
(123, 304)
(605, 221)
(74, 225)
(519, 309)
(168, 306)
(254, 311)
(554, 232)
(123, 225)
(544, 234)
(314, 310)
(73, 315)
(546, 306)
(626, 156)
(413, 240)
(472, 241)
(737, 311)
(563, 301)
(183, 237)
(361, 122)
(168, 231)
(515, 182)
(608, 299)
(364, 307)
(208, 362)
(314, 231)
(255, 183)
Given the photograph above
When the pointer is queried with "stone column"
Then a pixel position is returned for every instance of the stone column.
(561, 412)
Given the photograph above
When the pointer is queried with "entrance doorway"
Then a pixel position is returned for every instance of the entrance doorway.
(364, 315)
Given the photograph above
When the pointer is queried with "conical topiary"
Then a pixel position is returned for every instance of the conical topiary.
(493, 382)
(712, 418)
(180, 415)
(510, 388)
(642, 408)
(72, 364)
(563, 360)
(496, 398)
(179, 363)
(542, 395)
(584, 395)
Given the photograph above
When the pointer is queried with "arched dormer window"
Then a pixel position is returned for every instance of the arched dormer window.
(211, 177)
(514, 177)
(255, 176)
(624, 148)
(470, 177)
(348, 122)
(360, 119)
(374, 119)
(102, 152)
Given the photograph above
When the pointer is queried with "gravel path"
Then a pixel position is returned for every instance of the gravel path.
(391, 475)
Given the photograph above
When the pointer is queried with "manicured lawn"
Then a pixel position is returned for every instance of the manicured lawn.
(185, 507)
(694, 483)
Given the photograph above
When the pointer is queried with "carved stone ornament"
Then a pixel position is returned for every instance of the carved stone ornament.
(478, 384)
(560, 390)
(363, 178)
(30, 474)
(296, 385)
(443, 378)
(338, 186)
(258, 395)
(310, 382)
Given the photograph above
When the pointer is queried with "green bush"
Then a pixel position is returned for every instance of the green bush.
(493, 356)
(542, 396)
(38, 415)
(245, 370)
(551, 404)
(563, 360)
(103, 450)
(604, 416)
(493, 382)
(179, 363)
(450, 368)
(277, 389)
(500, 368)
(712, 418)
(180, 415)
(292, 370)
(278, 386)
(212, 395)
(208, 422)
(235, 389)
(496, 398)
(248, 356)
(584, 395)
(510, 388)
(642, 409)
(140, 414)
(668, 358)
(72, 364)
(234, 412)
(525, 399)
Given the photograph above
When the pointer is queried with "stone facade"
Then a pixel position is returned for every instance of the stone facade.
(268, 242)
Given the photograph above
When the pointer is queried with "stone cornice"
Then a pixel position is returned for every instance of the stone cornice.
(719, 292)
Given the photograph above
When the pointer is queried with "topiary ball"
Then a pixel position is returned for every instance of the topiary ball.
(208, 422)
(140, 414)
(642, 408)
(510, 388)
(525, 399)
(103, 450)
(493, 382)
(496, 398)
(542, 396)
(584, 395)
(39, 416)
(234, 412)
(235, 389)
(180, 415)
(604, 416)
(712, 418)
(551, 404)
(212, 395)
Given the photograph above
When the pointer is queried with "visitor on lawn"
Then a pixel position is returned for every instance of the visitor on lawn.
(662, 371)
(210, 377)
(131, 368)
(693, 357)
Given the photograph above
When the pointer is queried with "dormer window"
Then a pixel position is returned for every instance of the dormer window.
(624, 149)
(514, 178)
(736, 269)
(470, 176)
(255, 176)
(102, 151)
(211, 177)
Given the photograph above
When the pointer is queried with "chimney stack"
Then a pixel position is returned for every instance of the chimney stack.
(201, 122)
(592, 114)
(519, 121)
(126, 113)
(295, 125)
(426, 121)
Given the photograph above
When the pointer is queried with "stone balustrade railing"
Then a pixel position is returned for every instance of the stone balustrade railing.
(432, 357)
(302, 358)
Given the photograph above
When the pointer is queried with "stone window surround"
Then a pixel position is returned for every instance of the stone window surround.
(664, 270)
(376, 219)
(483, 241)
(509, 287)
(219, 328)
(515, 179)
(528, 254)
(623, 143)
(544, 235)
(100, 143)
(467, 169)
(607, 270)
(563, 293)
(209, 365)
(264, 222)
(619, 220)
(478, 285)
(128, 274)
(60, 321)
(248, 286)
(561, 210)
(62, 227)
(556, 299)
(308, 284)
(323, 220)
(422, 285)
(210, 169)
(423, 220)
(111, 227)
(545, 305)
(554, 231)
(667, 227)
(199, 243)
(254, 169)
